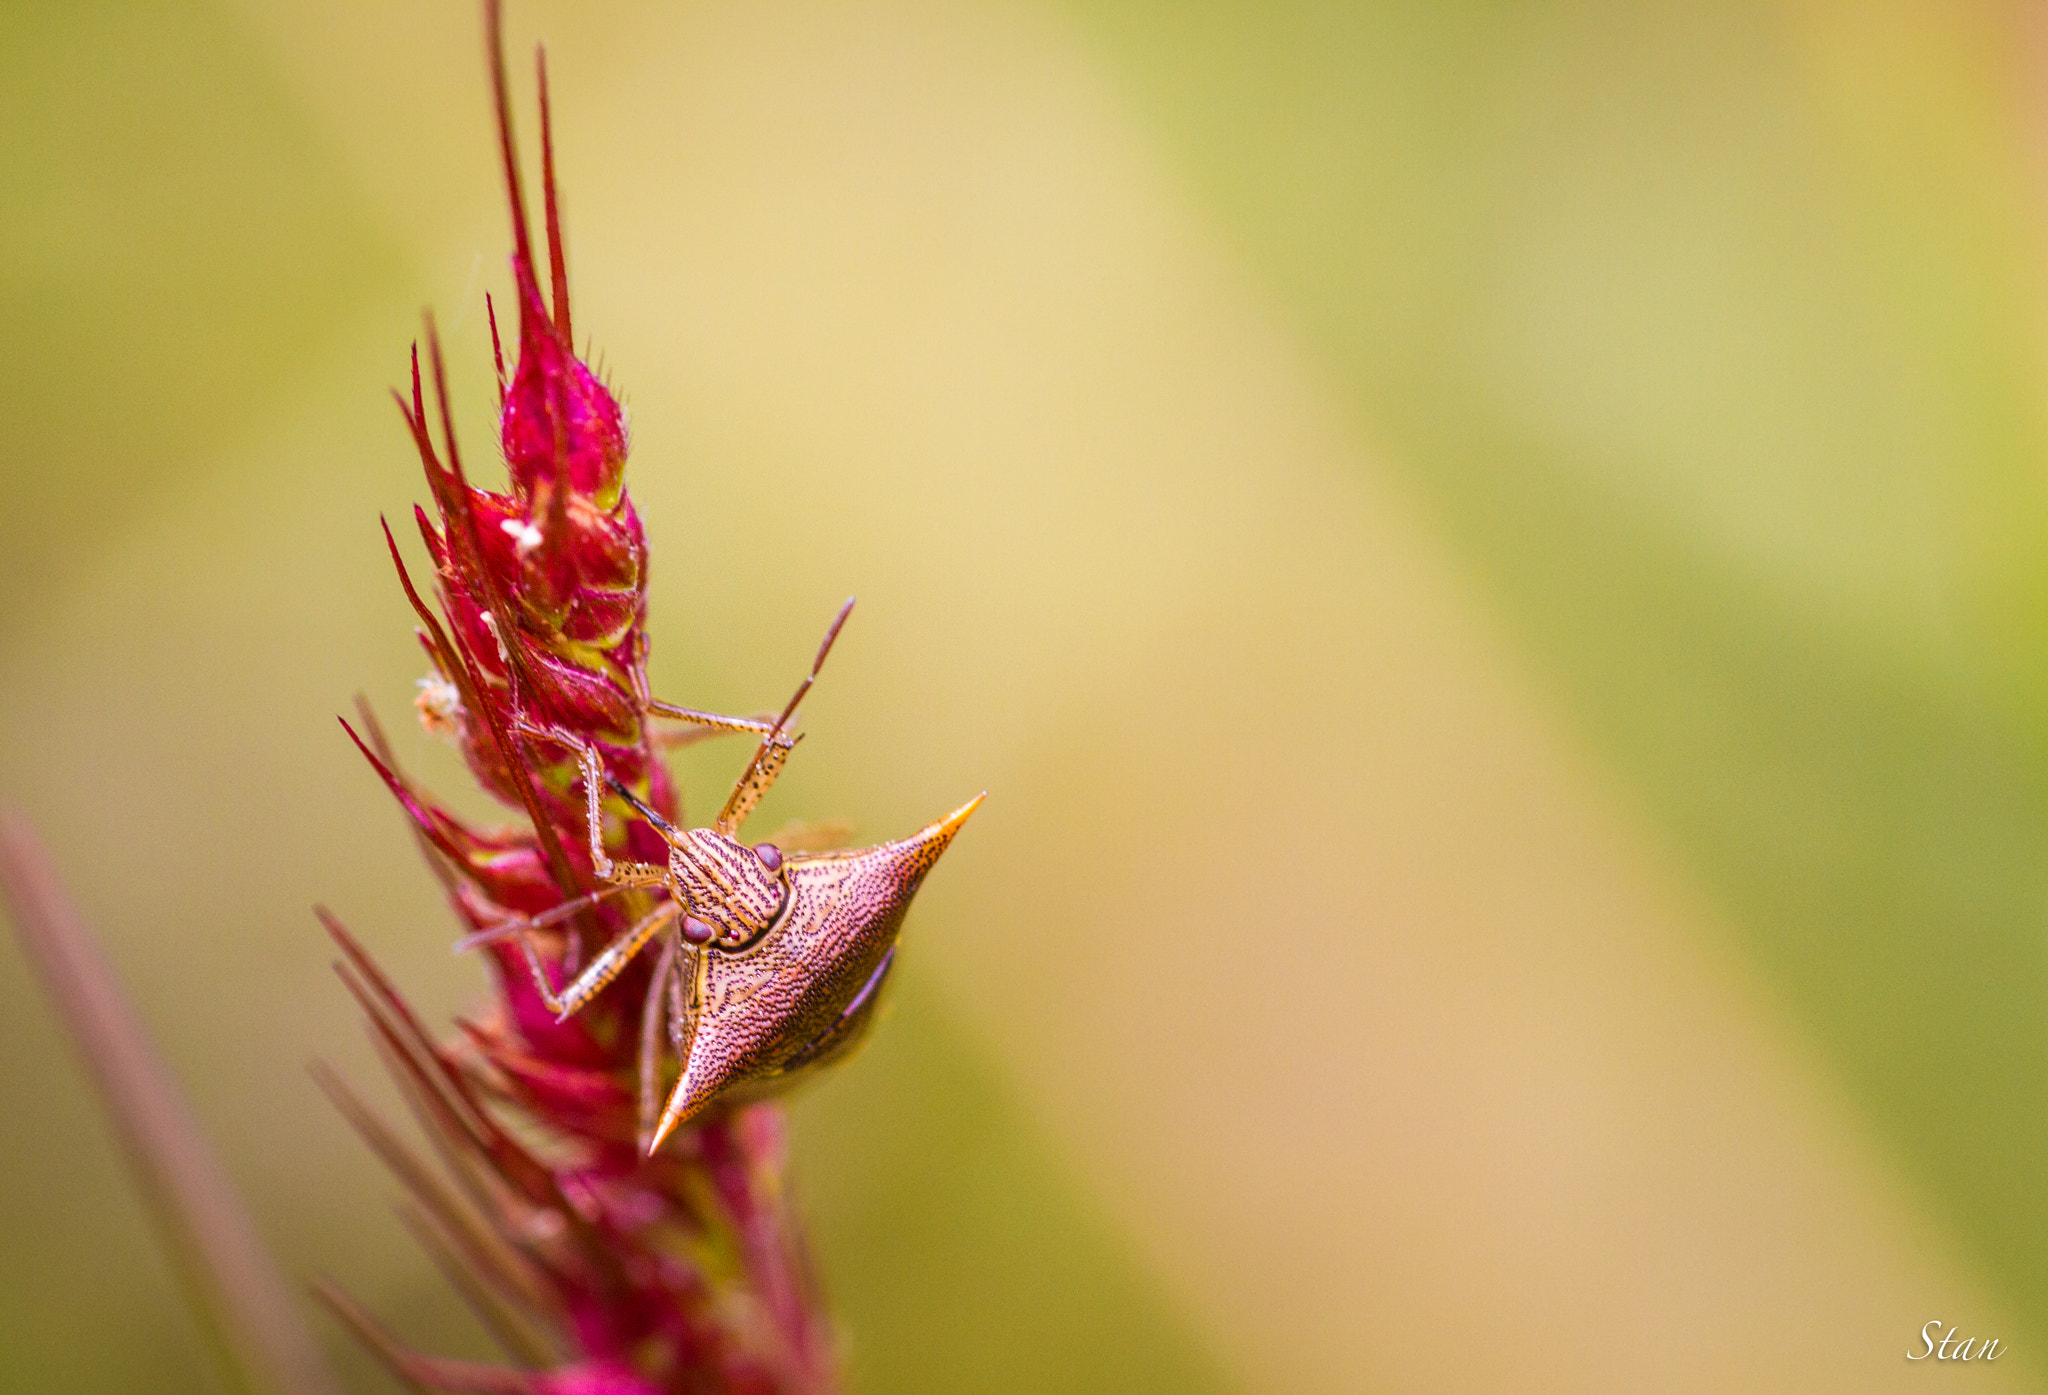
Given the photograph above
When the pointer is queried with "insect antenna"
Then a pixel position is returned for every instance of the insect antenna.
(668, 829)
(838, 621)
(775, 747)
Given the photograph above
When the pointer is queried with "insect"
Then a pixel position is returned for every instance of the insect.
(771, 961)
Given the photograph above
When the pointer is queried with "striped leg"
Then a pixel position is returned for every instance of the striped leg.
(601, 970)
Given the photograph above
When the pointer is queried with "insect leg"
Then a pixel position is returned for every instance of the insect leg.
(776, 744)
(601, 970)
(676, 738)
(713, 723)
(492, 934)
(709, 723)
(651, 1018)
(636, 873)
(641, 873)
(682, 1019)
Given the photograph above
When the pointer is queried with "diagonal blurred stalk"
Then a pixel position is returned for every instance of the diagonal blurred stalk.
(242, 1301)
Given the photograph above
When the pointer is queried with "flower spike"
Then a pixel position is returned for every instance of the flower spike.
(614, 1207)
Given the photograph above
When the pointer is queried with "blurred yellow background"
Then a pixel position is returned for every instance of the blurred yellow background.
(1494, 560)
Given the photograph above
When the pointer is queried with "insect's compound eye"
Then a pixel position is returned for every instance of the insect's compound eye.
(770, 855)
(696, 931)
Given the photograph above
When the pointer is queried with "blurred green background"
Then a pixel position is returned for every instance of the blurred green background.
(1494, 560)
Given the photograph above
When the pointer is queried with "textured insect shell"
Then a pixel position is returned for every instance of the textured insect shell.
(802, 994)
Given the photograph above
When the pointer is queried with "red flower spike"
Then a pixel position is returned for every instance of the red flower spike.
(584, 1253)
(560, 425)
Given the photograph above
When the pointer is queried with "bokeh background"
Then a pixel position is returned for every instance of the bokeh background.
(1494, 559)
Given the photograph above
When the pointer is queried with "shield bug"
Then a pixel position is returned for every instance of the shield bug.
(771, 960)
